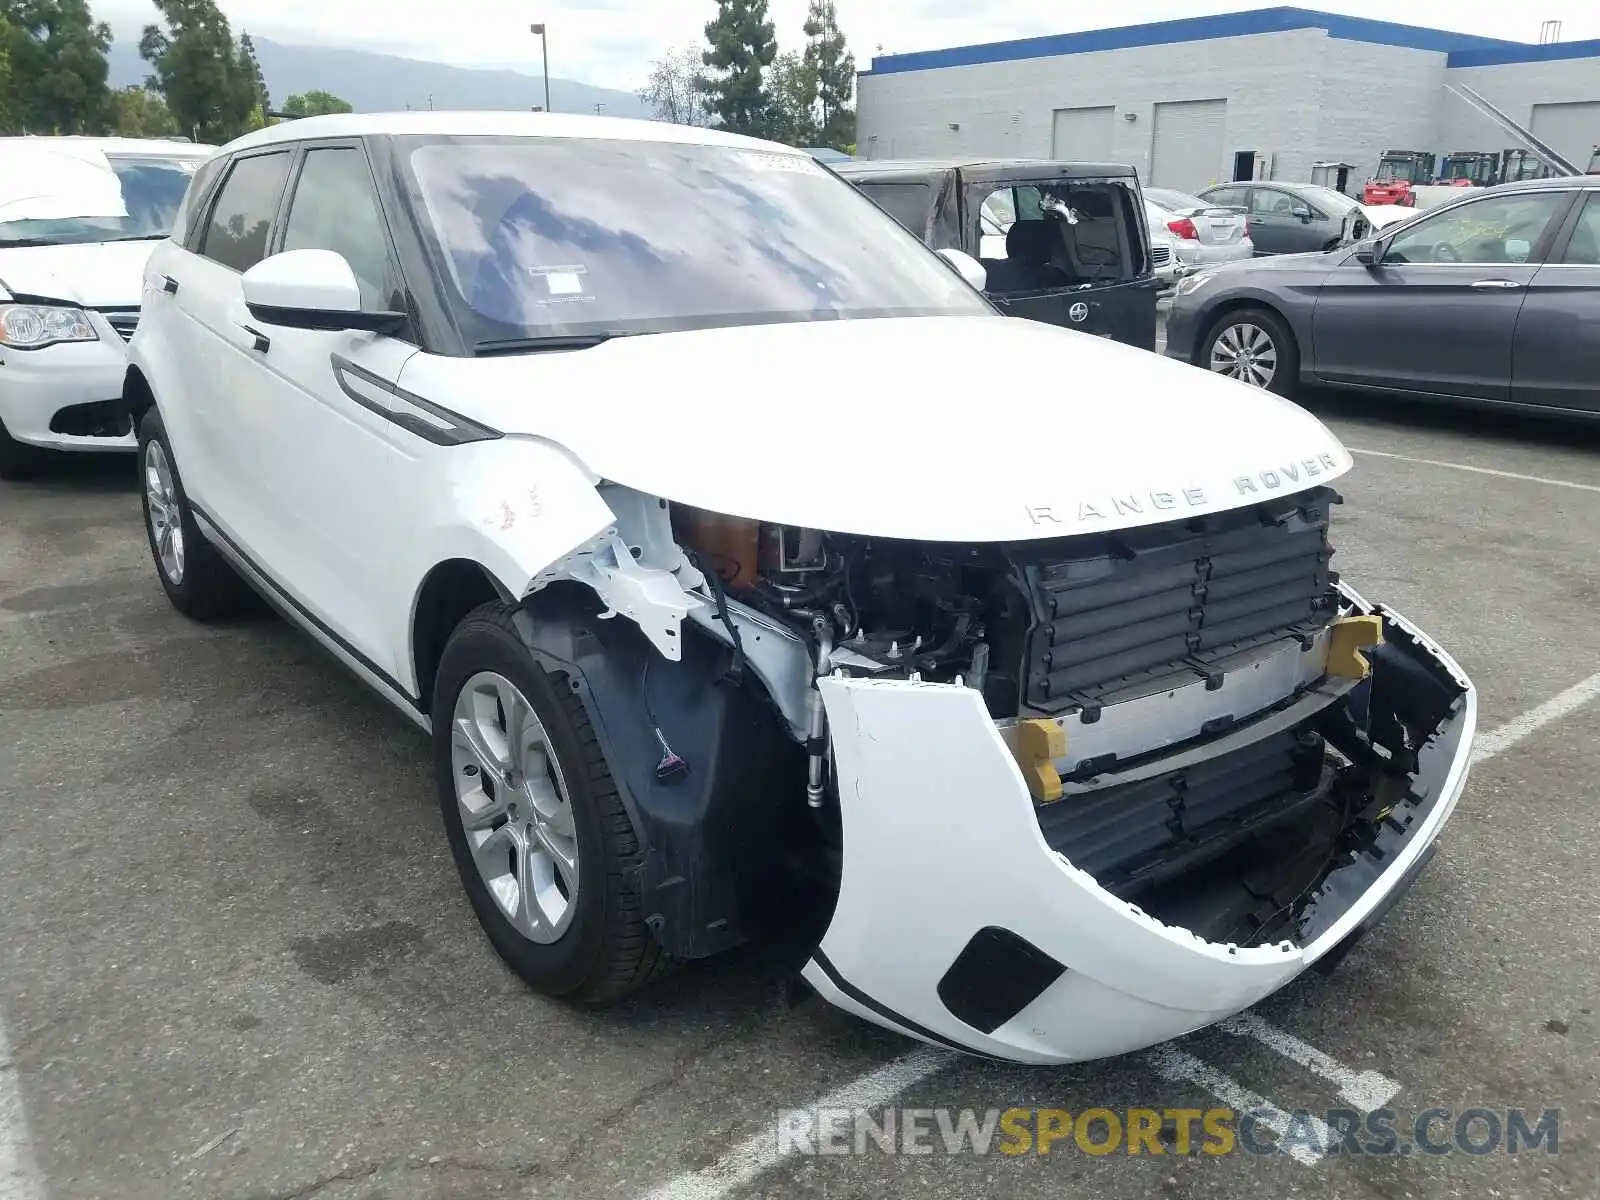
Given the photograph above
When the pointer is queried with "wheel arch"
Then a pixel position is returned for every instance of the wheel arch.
(138, 397)
(448, 592)
(1234, 304)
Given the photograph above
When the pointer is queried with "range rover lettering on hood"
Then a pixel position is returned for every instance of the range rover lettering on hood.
(1287, 477)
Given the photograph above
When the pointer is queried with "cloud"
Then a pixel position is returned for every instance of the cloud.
(611, 42)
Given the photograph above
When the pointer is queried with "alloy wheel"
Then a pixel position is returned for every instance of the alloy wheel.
(515, 809)
(163, 513)
(1245, 351)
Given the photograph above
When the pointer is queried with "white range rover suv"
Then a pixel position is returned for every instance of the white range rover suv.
(78, 220)
(745, 567)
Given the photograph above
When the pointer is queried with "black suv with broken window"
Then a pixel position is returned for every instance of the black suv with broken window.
(1062, 242)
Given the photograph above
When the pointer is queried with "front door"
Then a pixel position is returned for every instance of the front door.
(1557, 345)
(1438, 311)
(1283, 223)
(329, 458)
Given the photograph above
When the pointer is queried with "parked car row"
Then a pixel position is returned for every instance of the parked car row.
(701, 651)
(79, 218)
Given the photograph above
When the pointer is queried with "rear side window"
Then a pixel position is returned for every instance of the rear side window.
(241, 219)
(335, 207)
(1228, 197)
(908, 203)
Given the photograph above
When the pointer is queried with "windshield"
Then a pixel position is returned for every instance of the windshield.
(1393, 169)
(1334, 203)
(152, 189)
(561, 237)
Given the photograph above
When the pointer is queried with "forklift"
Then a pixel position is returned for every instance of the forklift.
(1398, 171)
(1470, 168)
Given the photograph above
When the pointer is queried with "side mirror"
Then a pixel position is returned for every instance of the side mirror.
(1369, 253)
(1301, 211)
(967, 267)
(311, 289)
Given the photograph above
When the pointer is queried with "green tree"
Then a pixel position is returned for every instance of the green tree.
(252, 68)
(742, 45)
(834, 68)
(792, 84)
(7, 99)
(198, 67)
(56, 66)
(138, 112)
(315, 104)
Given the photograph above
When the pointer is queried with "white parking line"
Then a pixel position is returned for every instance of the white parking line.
(751, 1158)
(1181, 1067)
(19, 1174)
(1365, 1090)
(1434, 462)
(1502, 739)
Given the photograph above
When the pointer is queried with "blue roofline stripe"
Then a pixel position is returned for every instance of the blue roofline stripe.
(1199, 29)
(1555, 52)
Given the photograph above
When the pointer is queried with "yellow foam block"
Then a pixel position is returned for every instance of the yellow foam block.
(1038, 744)
(1349, 637)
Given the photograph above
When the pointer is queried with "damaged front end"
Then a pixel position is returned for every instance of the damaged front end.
(1061, 798)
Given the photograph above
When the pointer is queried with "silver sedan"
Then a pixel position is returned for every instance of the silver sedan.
(1202, 234)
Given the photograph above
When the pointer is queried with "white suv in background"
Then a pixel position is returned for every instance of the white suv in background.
(78, 220)
(1007, 662)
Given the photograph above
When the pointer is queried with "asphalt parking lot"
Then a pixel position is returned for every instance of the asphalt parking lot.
(237, 961)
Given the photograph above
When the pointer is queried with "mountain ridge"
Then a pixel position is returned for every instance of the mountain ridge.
(388, 83)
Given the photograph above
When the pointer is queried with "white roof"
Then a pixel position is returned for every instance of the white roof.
(495, 124)
(115, 145)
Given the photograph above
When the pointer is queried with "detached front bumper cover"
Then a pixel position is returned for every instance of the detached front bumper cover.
(952, 901)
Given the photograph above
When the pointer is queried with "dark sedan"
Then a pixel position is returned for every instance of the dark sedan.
(1493, 299)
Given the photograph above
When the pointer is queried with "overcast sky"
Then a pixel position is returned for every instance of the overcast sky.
(611, 42)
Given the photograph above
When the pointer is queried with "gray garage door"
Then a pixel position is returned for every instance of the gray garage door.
(1186, 145)
(1083, 134)
(1572, 130)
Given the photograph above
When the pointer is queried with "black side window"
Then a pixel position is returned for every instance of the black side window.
(336, 208)
(907, 203)
(236, 235)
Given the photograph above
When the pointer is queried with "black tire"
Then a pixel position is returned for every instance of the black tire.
(607, 952)
(18, 460)
(1286, 354)
(206, 588)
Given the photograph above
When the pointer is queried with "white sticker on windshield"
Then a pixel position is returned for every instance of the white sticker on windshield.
(561, 281)
(795, 164)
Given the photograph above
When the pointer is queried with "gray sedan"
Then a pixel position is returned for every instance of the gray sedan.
(1494, 299)
(1286, 218)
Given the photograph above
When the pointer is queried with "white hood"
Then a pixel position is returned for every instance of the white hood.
(958, 429)
(95, 275)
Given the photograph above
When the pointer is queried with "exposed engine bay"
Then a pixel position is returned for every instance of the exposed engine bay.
(1208, 723)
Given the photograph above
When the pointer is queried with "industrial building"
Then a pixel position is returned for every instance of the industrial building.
(1261, 94)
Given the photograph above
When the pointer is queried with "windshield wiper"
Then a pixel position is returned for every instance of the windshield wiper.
(535, 345)
(137, 237)
(27, 243)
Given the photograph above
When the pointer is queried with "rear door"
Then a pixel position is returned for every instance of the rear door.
(1091, 274)
(1557, 343)
(1439, 312)
(222, 468)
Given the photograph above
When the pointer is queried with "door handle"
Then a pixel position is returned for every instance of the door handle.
(262, 342)
(1496, 283)
(169, 285)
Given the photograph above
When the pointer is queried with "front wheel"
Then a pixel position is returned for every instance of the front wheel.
(1255, 347)
(536, 824)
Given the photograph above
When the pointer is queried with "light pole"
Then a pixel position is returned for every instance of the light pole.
(544, 47)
